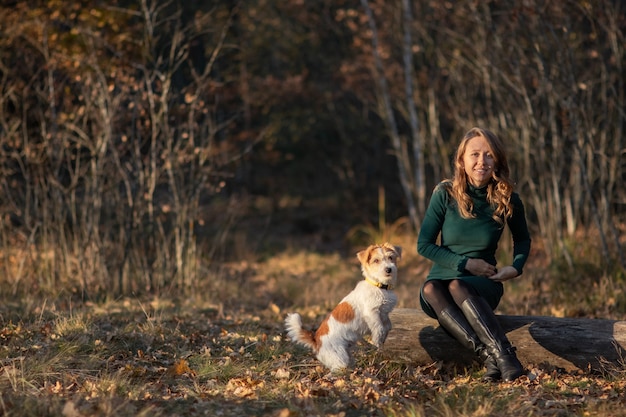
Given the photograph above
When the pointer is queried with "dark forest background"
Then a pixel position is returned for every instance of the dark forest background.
(144, 142)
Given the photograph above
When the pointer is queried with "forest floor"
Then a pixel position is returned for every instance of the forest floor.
(223, 352)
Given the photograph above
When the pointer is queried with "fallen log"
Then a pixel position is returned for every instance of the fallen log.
(568, 343)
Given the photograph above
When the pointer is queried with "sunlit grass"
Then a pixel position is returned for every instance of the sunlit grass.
(223, 351)
(463, 402)
(161, 364)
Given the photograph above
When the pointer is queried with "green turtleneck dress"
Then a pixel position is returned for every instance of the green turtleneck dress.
(462, 239)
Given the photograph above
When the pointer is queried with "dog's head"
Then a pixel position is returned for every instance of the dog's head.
(380, 263)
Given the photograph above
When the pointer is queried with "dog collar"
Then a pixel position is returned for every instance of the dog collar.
(378, 284)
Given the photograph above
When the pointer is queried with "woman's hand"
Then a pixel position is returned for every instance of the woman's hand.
(504, 274)
(480, 267)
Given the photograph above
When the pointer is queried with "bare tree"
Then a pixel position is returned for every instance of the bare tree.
(109, 158)
(411, 173)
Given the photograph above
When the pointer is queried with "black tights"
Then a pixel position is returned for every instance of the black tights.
(442, 294)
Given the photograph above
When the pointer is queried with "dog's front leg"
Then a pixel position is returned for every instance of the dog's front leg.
(377, 328)
(386, 326)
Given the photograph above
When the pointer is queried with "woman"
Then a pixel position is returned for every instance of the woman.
(464, 286)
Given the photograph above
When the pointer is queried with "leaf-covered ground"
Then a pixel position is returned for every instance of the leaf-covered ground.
(165, 358)
(222, 351)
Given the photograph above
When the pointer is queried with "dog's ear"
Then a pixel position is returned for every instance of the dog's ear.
(363, 255)
(396, 249)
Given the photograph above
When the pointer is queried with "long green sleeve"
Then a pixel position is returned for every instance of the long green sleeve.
(449, 240)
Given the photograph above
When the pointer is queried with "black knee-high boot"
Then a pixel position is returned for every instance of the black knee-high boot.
(484, 322)
(455, 323)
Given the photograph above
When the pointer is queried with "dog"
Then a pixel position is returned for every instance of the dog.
(364, 310)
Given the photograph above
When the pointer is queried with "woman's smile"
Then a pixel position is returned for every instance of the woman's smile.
(478, 161)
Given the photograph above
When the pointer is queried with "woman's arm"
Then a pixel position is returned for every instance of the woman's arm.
(431, 228)
(521, 242)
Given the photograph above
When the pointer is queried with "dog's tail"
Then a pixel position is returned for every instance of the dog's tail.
(293, 324)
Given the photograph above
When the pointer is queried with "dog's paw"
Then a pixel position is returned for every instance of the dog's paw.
(378, 343)
(380, 340)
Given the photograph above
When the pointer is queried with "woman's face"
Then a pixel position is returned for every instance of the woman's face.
(478, 161)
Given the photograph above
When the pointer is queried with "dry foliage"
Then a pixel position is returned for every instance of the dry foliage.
(128, 168)
(224, 353)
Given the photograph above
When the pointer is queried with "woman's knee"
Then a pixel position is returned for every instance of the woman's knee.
(433, 290)
(455, 284)
(460, 290)
(428, 288)
(458, 286)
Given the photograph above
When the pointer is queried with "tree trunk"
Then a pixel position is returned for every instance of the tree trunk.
(568, 343)
(387, 114)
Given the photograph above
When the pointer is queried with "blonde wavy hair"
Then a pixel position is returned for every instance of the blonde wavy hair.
(500, 187)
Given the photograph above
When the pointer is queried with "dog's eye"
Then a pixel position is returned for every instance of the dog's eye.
(376, 260)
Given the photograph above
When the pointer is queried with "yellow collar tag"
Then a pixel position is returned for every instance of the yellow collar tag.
(378, 284)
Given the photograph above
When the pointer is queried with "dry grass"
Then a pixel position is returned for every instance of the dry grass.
(127, 358)
(222, 350)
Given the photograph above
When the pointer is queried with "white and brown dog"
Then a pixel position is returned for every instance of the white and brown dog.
(365, 310)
